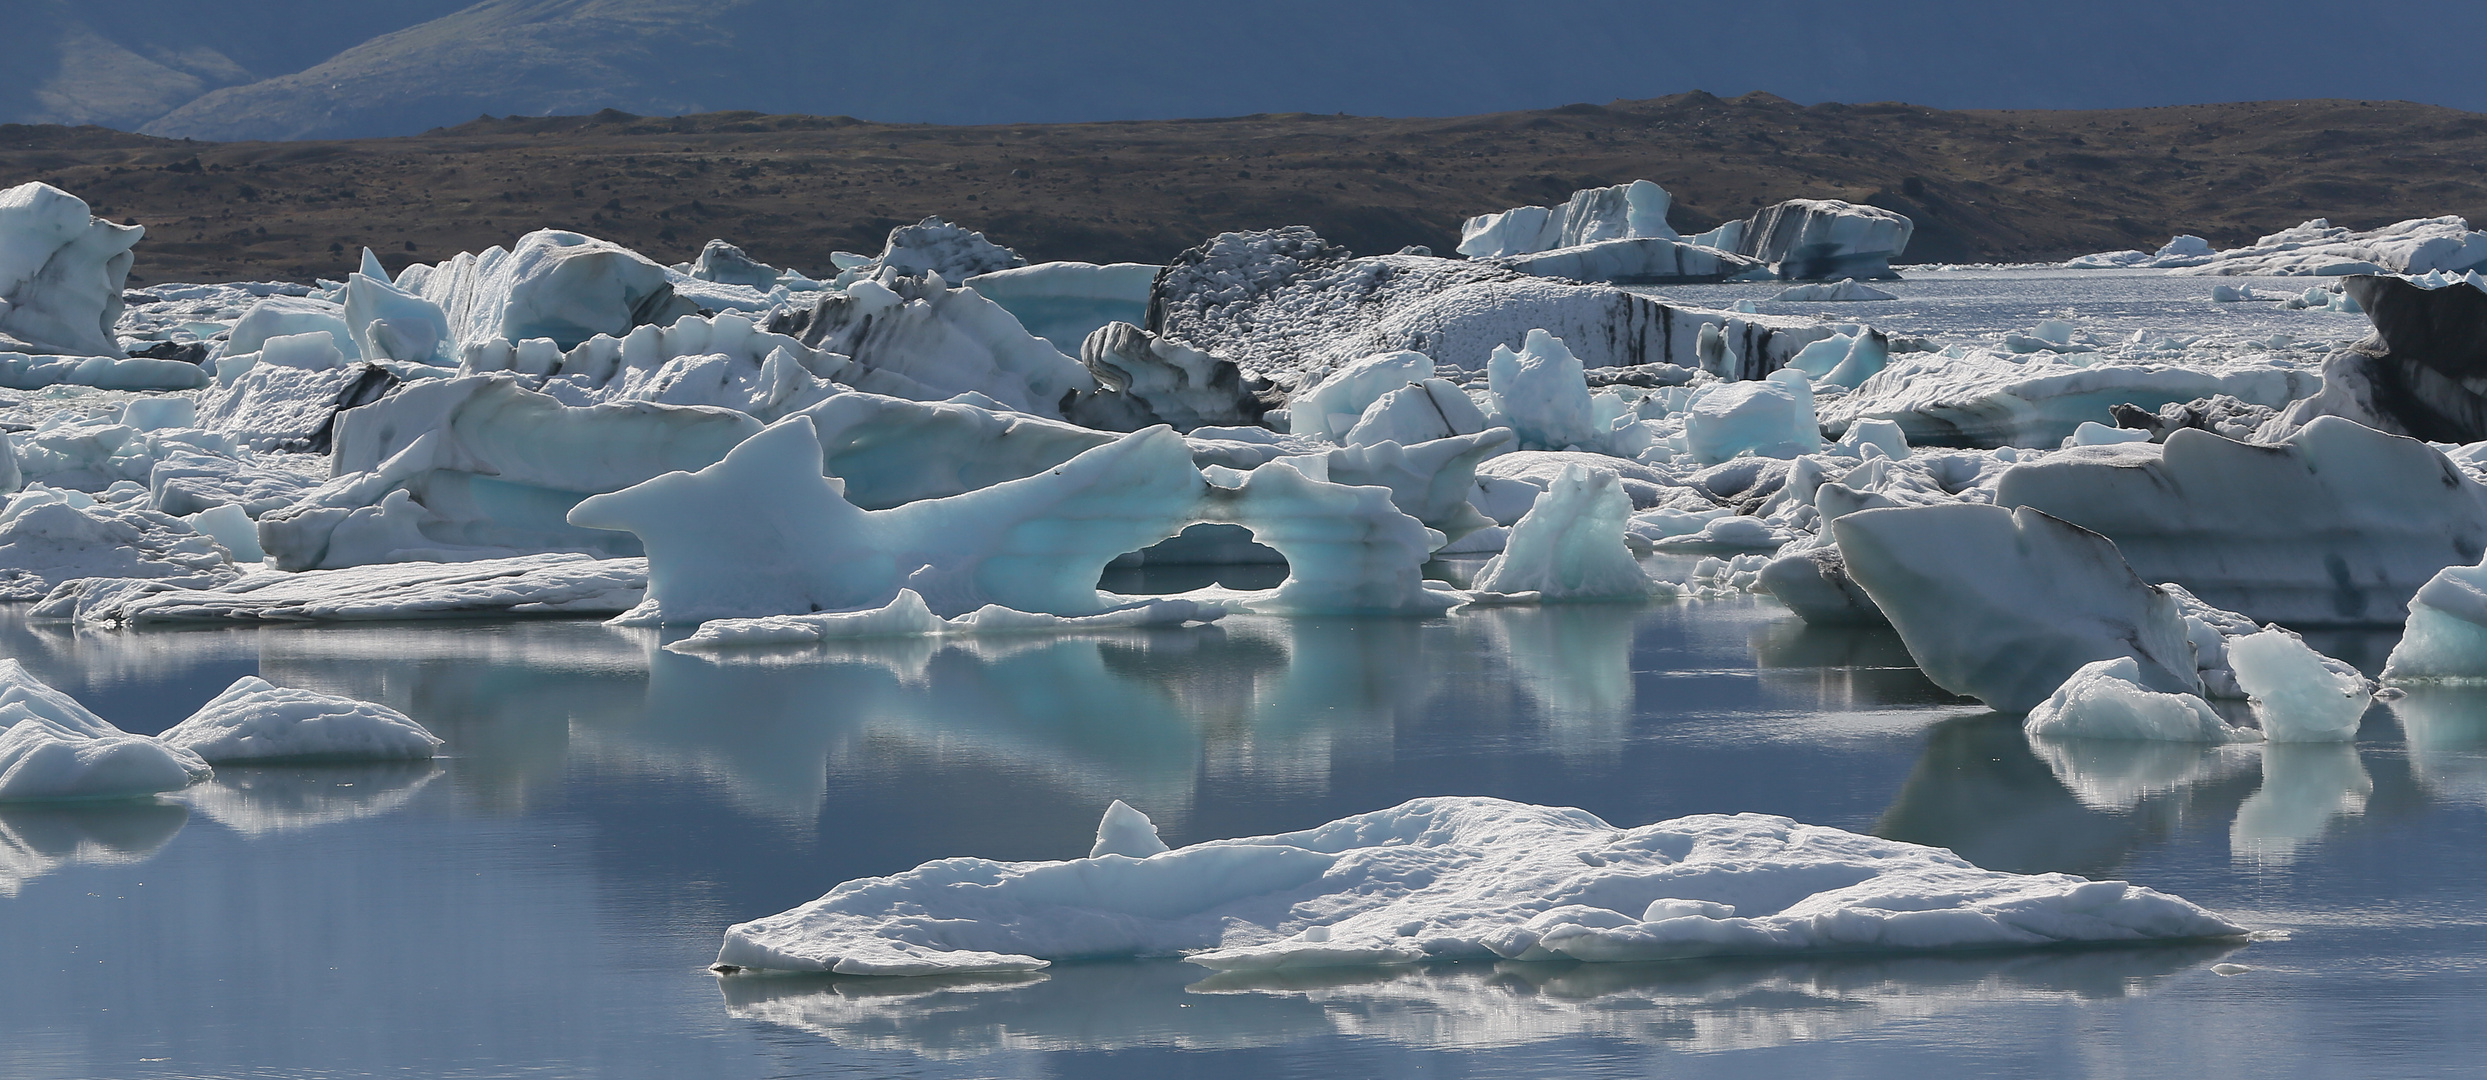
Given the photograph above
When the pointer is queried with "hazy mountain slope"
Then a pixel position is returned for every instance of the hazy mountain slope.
(121, 63)
(1015, 61)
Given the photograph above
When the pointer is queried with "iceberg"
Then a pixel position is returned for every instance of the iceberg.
(1570, 545)
(1770, 417)
(935, 246)
(1457, 879)
(726, 264)
(291, 316)
(391, 323)
(61, 273)
(1143, 380)
(2179, 251)
(2319, 248)
(49, 536)
(1291, 307)
(1987, 399)
(550, 284)
(916, 337)
(2105, 700)
(2445, 638)
(2338, 524)
(2006, 605)
(2418, 373)
(1625, 211)
(1064, 302)
(1541, 394)
(1332, 407)
(2299, 694)
(908, 616)
(51, 747)
(554, 584)
(255, 721)
(1635, 261)
(19, 371)
(1825, 239)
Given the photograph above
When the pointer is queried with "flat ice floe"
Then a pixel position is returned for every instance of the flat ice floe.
(254, 720)
(558, 583)
(1453, 879)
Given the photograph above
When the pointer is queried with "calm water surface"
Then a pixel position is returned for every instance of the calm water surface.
(543, 902)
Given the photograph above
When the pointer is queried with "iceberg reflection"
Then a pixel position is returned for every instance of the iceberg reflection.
(2447, 730)
(2304, 786)
(258, 800)
(36, 840)
(1690, 1005)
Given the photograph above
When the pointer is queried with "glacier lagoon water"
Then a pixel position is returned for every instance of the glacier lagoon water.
(543, 902)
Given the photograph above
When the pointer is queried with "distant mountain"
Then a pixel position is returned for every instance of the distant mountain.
(122, 63)
(303, 69)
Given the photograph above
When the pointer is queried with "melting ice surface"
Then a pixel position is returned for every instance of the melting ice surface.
(543, 899)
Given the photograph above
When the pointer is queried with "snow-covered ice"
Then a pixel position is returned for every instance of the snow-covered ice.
(2318, 247)
(254, 721)
(2445, 639)
(549, 584)
(1453, 879)
(51, 748)
(1570, 545)
(61, 272)
(2105, 700)
(1845, 290)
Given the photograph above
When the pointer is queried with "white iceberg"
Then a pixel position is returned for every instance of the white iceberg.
(49, 536)
(551, 584)
(916, 337)
(550, 284)
(1770, 417)
(2445, 639)
(1570, 545)
(1458, 879)
(61, 273)
(254, 720)
(2299, 694)
(1983, 398)
(2319, 248)
(2180, 250)
(1542, 395)
(51, 747)
(1624, 211)
(19, 371)
(2105, 700)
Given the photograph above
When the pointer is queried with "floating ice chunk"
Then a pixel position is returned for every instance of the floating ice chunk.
(2232, 294)
(2092, 433)
(2445, 639)
(550, 284)
(1821, 239)
(555, 584)
(1636, 261)
(1349, 550)
(720, 360)
(891, 450)
(51, 747)
(1542, 394)
(394, 324)
(1883, 435)
(48, 537)
(1624, 211)
(2415, 246)
(1064, 302)
(275, 317)
(1457, 879)
(1128, 832)
(1144, 380)
(230, 526)
(2297, 695)
(932, 245)
(2417, 375)
(907, 616)
(61, 273)
(253, 720)
(2338, 524)
(157, 413)
(2005, 605)
(19, 371)
(2105, 700)
(726, 264)
(1418, 412)
(1846, 290)
(916, 337)
(1570, 545)
(1770, 417)
(762, 532)
(2181, 250)
(1331, 407)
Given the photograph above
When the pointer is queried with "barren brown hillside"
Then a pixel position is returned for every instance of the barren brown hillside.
(790, 189)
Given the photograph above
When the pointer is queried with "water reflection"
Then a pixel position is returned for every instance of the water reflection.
(1689, 1005)
(2304, 787)
(252, 801)
(37, 840)
(2447, 731)
(2118, 774)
